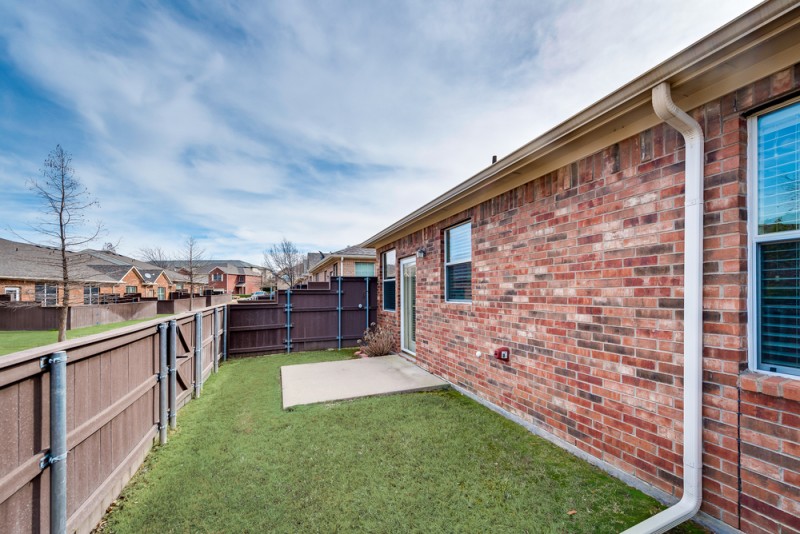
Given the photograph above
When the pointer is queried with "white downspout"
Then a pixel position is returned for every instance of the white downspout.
(689, 504)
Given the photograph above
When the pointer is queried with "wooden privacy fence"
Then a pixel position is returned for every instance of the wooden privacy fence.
(22, 317)
(305, 319)
(77, 418)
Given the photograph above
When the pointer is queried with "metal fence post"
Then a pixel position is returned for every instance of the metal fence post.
(225, 333)
(57, 458)
(216, 339)
(198, 353)
(367, 306)
(162, 383)
(288, 321)
(173, 373)
(339, 316)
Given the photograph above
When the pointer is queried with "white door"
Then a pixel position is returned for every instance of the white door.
(408, 304)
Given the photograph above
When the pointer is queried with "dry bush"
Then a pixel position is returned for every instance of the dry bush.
(377, 341)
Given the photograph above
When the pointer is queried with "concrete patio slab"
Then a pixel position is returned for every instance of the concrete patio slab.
(332, 381)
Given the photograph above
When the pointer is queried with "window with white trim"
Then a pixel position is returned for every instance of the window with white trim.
(91, 294)
(130, 289)
(13, 293)
(458, 263)
(774, 235)
(389, 276)
(46, 294)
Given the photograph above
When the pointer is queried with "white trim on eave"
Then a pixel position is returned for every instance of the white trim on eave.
(758, 43)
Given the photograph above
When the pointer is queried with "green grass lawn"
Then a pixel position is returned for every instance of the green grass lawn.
(422, 462)
(17, 340)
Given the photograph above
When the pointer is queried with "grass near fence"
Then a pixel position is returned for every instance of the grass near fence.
(423, 462)
(17, 340)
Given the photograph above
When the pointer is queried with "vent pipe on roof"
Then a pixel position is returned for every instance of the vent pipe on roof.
(494, 160)
(692, 498)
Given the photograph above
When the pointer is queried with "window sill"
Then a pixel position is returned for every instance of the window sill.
(774, 386)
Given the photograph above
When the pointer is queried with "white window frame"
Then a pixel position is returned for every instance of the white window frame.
(753, 240)
(448, 264)
(393, 279)
(14, 292)
(94, 296)
(47, 286)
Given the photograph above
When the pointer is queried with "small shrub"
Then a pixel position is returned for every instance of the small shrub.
(377, 341)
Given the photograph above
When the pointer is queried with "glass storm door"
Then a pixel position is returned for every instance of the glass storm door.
(408, 304)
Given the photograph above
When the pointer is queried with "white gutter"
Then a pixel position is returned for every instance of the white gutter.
(689, 504)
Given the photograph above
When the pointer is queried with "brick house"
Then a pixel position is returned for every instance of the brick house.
(350, 261)
(146, 279)
(31, 273)
(571, 252)
(233, 279)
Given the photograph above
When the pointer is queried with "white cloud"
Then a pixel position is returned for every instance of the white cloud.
(324, 123)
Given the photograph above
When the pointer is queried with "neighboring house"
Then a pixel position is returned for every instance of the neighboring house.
(31, 273)
(350, 261)
(570, 253)
(235, 280)
(235, 275)
(146, 279)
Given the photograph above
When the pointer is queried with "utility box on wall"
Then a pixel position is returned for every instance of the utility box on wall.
(502, 353)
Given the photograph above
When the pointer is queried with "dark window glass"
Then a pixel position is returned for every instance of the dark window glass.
(389, 295)
(459, 281)
(779, 305)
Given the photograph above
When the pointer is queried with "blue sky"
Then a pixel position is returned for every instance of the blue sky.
(240, 123)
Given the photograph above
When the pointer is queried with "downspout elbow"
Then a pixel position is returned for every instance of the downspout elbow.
(692, 498)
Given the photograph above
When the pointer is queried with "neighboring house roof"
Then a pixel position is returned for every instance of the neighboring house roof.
(233, 269)
(349, 253)
(23, 261)
(755, 45)
(313, 258)
(149, 272)
(206, 266)
(116, 272)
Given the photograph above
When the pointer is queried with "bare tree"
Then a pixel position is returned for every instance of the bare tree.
(64, 224)
(194, 256)
(155, 255)
(284, 262)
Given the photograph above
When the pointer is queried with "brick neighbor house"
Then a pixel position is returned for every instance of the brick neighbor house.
(146, 279)
(32, 273)
(570, 253)
(350, 261)
(235, 279)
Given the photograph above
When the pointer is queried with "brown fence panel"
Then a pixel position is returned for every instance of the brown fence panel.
(261, 327)
(112, 419)
(218, 300)
(82, 316)
(17, 317)
(46, 318)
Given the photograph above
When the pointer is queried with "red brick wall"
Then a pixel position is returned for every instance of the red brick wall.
(27, 290)
(580, 273)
